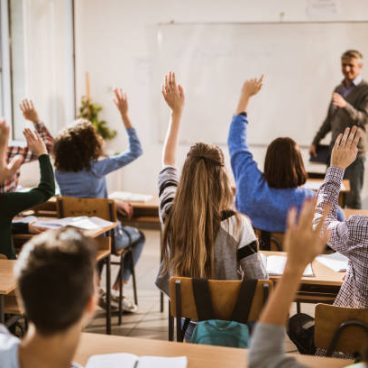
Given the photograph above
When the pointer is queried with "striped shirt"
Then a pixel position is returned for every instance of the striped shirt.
(350, 238)
(236, 250)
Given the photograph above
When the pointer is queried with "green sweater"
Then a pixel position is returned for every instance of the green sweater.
(13, 203)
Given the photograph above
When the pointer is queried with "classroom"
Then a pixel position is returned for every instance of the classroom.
(183, 183)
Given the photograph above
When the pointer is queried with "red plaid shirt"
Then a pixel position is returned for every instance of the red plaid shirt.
(11, 184)
(350, 238)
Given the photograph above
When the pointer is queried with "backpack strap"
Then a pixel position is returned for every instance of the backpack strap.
(244, 303)
(202, 298)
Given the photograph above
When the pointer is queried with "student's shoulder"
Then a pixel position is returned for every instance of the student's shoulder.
(237, 225)
(9, 345)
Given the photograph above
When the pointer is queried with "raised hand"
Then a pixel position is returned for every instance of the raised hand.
(7, 169)
(29, 111)
(121, 101)
(345, 149)
(338, 100)
(173, 93)
(250, 88)
(302, 242)
(34, 142)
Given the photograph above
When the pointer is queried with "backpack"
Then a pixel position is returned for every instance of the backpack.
(301, 332)
(233, 333)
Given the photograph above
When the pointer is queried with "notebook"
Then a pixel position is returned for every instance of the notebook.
(130, 197)
(81, 222)
(125, 360)
(335, 261)
(275, 266)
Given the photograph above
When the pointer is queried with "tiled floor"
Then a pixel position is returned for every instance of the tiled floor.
(148, 322)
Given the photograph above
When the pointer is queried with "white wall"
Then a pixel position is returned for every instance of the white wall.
(114, 41)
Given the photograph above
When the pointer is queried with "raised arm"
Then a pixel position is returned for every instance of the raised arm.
(343, 154)
(242, 162)
(7, 169)
(303, 244)
(112, 163)
(17, 202)
(174, 96)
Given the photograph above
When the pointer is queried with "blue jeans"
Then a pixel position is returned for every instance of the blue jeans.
(355, 174)
(124, 237)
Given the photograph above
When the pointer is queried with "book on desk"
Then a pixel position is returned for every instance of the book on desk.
(119, 360)
(275, 265)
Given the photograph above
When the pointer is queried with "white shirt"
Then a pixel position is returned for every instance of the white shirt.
(9, 346)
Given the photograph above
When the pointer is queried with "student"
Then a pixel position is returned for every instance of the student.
(55, 283)
(81, 172)
(349, 237)
(303, 245)
(203, 236)
(13, 203)
(23, 155)
(265, 197)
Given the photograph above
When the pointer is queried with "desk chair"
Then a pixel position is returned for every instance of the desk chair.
(105, 209)
(270, 240)
(340, 329)
(224, 295)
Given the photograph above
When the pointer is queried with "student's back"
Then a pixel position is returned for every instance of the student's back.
(266, 197)
(203, 236)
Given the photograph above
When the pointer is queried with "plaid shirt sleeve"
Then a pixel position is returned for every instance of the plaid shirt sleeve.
(346, 235)
(11, 184)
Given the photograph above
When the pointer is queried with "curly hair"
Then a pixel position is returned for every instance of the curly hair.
(77, 146)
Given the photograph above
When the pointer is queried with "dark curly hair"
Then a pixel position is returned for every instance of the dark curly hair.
(77, 146)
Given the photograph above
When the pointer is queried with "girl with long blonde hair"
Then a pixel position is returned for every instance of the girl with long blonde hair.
(203, 236)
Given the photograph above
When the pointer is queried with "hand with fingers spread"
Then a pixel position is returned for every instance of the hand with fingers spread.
(7, 170)
(29, 111)
(302, 242)
(345, 149)
(250, 88)
(173, 93)
(34, 142)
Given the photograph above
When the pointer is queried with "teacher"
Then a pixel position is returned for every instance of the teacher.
(348, 107)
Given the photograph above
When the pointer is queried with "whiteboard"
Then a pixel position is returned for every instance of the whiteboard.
(300, 61)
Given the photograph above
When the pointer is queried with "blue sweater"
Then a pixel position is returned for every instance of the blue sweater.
(92, 183)
(267, 207)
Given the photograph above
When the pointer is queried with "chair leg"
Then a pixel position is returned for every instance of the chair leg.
(298, 307)
(132, 270)
(170, 324)
(108, 296)
(120, 317)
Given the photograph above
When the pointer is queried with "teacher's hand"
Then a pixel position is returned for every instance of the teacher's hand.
(338, 100)
(313, 150)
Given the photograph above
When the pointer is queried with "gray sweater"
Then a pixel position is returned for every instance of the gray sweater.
(355, 113)
(236, 253)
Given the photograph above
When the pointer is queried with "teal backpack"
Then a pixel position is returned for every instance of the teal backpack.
(233, 333)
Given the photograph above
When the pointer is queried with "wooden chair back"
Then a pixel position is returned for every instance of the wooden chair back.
(340, 329)
(224, 296)
(100, 207)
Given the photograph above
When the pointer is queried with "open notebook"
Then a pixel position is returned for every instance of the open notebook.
(125, 360)
(335, 261)
(275, 266)
(81, 222)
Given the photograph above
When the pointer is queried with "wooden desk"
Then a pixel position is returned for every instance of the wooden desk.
(103, 254)
(351, 212)
(7, 283)
(199, 356)
(322, 288)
